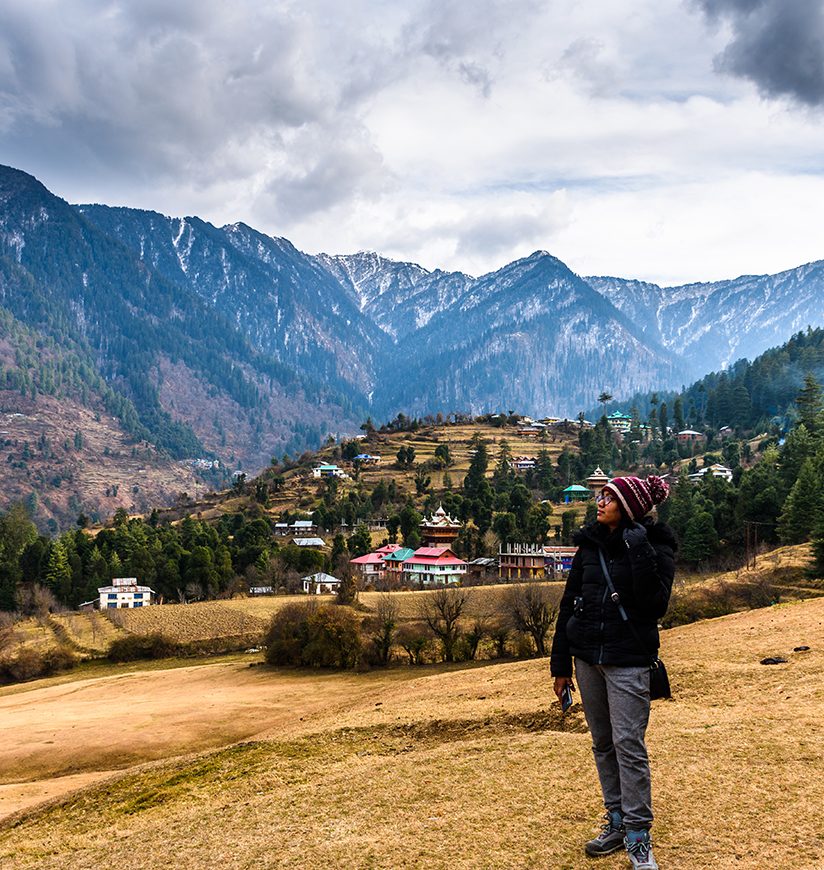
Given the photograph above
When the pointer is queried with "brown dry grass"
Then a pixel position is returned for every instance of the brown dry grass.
(483, 601)
(190, 622)
(471, 768)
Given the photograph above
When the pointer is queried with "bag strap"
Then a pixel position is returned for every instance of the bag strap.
(617, 599)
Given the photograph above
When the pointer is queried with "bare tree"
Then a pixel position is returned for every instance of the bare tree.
(382, 626)
(499, 633)
(531, 610)
(415, 640)
(442, 611)
(477, 632)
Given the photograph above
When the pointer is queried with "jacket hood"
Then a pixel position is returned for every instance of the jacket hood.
(598, 534)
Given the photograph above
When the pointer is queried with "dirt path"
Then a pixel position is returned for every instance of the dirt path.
(60, 737)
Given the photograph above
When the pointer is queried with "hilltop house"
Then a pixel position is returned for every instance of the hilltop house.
(323, 471)
(619, 422)
(125, 592)
(367, 459)
(716, 470)
(311, 543)
(690, 436)
(433, 566)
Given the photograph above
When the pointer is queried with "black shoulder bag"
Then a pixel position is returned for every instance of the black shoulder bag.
(659, 686)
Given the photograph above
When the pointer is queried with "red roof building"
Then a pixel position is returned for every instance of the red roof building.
(433, 566)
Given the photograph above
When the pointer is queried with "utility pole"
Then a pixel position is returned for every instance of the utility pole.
(751, 541)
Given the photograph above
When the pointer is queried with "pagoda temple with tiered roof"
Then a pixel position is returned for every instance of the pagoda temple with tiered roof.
(440, 529)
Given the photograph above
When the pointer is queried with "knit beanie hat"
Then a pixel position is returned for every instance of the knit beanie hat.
(638, 497)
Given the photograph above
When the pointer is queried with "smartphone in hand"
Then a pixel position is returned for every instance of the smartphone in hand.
(566, 698)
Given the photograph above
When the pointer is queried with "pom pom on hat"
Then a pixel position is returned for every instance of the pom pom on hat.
(638, 497)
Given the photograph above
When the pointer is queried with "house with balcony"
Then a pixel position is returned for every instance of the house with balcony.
(433, 566)
(125, 592)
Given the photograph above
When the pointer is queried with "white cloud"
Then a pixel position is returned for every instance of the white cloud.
(460, 135)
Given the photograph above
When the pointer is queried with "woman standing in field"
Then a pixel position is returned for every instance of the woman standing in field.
(611, 665)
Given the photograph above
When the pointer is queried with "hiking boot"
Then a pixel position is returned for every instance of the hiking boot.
(611, 837)
(639, 849)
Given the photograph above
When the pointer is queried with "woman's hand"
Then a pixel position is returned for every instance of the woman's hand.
(560, 684)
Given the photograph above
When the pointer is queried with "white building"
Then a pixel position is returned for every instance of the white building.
(125, 592)
(328, 471)
(320, 583)
(716, 470)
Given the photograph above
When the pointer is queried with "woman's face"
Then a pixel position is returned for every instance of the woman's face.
(609, 511)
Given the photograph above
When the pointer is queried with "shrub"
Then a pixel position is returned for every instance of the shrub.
(288, 634)
(29, 664)
(321, 637)
(142, 646)
(334, 639)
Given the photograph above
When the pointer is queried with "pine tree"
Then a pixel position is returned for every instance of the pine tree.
(810, 402)
(58, 571)
(816, 568)
(802, 506)
(700, 539)
(476, 476)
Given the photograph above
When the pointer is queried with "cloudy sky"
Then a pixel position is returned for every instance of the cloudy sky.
(671, 140)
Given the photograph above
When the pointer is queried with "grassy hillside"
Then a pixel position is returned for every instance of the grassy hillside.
(469, 767)
(299, 490)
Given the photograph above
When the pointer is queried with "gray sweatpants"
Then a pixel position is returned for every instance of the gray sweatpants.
(616, 705)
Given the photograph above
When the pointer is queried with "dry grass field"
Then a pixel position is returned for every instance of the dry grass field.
(185, 623)
(466, 767)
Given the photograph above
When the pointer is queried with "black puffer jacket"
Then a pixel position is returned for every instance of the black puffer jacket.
(589, 625)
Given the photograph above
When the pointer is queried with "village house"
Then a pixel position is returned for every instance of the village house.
(521, 561)
(433, 566)
(716, 470)
(372, 567)
(523, 463)
(576, 493)
(304, 527)
(321, 584)
(367, 459)
(393, 564)
(440, 529)
(323, 471)
(125, 592)
(690, 436)
(619, 422)
(481, 569)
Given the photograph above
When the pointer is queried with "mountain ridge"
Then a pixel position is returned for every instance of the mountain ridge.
(226, 342)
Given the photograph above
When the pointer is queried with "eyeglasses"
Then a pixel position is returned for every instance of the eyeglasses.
(604, 499)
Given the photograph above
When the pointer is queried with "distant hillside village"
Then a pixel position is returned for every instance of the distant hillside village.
(434, 502)
(434, 564)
